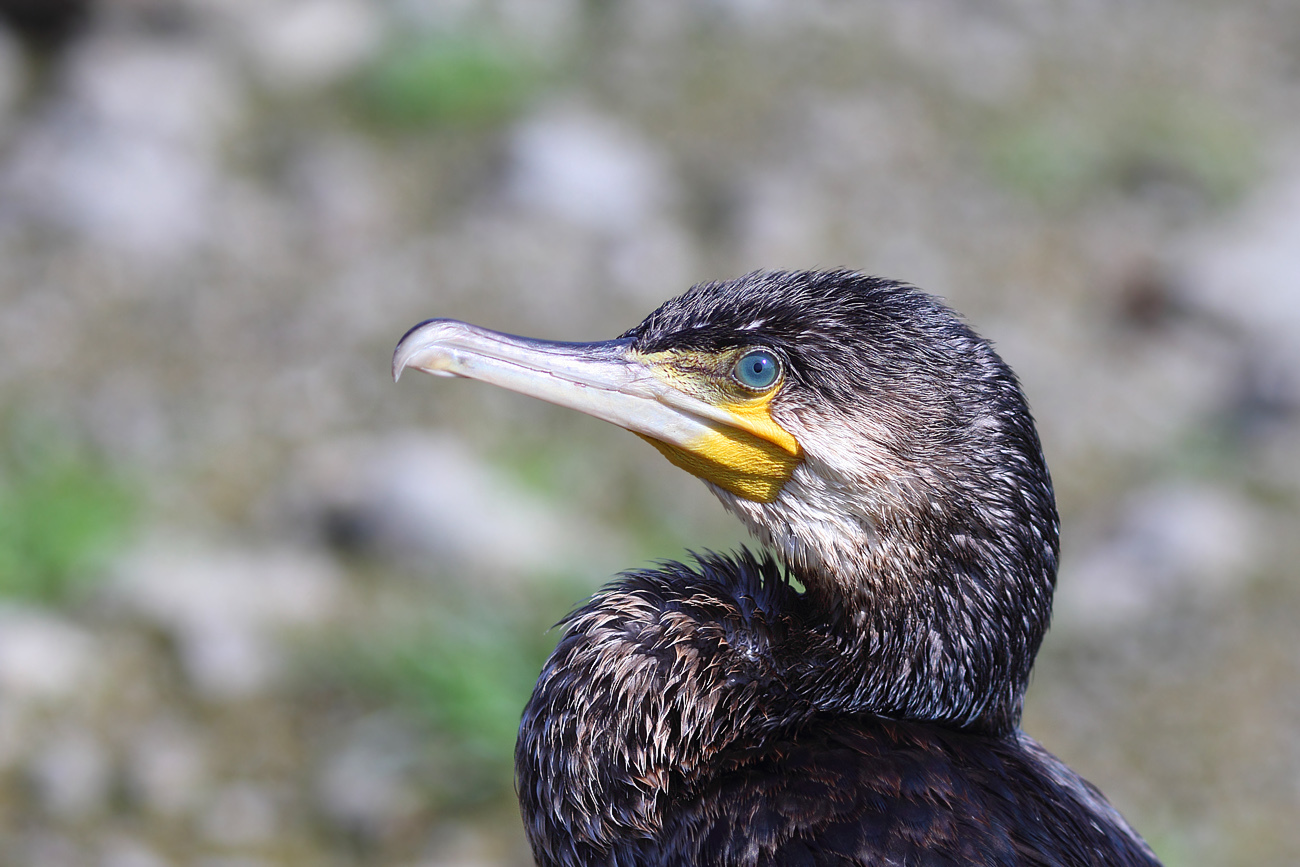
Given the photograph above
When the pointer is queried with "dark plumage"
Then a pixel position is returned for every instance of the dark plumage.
(711, 714)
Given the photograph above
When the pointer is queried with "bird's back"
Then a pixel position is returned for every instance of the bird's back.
(870, 791)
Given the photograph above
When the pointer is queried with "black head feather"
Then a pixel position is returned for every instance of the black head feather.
(838, 330)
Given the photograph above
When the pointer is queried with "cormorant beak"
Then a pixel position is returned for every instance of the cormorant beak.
(733, 444)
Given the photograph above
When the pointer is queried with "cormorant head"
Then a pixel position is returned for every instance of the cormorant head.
(860, 429)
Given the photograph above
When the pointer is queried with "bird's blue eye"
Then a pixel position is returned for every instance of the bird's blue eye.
(757, 369)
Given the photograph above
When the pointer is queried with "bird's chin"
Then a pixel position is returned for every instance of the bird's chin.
(809, 526)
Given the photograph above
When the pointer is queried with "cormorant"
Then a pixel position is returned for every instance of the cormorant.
(713, 714)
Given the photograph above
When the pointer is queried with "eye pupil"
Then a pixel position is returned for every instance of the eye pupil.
(757, 369)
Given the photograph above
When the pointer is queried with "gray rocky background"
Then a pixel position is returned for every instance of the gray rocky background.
(259, 606)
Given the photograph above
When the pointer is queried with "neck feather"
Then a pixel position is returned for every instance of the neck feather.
(936, 597)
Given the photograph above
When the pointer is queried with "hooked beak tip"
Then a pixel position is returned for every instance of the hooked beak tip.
(414, 343)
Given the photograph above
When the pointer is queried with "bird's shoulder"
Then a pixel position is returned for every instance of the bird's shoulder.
(870, 791)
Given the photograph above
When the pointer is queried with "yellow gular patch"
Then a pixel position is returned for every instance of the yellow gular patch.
(747, 452)
(753, 460)
(753, 415)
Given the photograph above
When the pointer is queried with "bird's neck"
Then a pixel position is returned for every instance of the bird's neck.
(918, 649)
(928, 610)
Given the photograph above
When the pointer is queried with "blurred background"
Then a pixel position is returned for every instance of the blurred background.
(259, 606)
